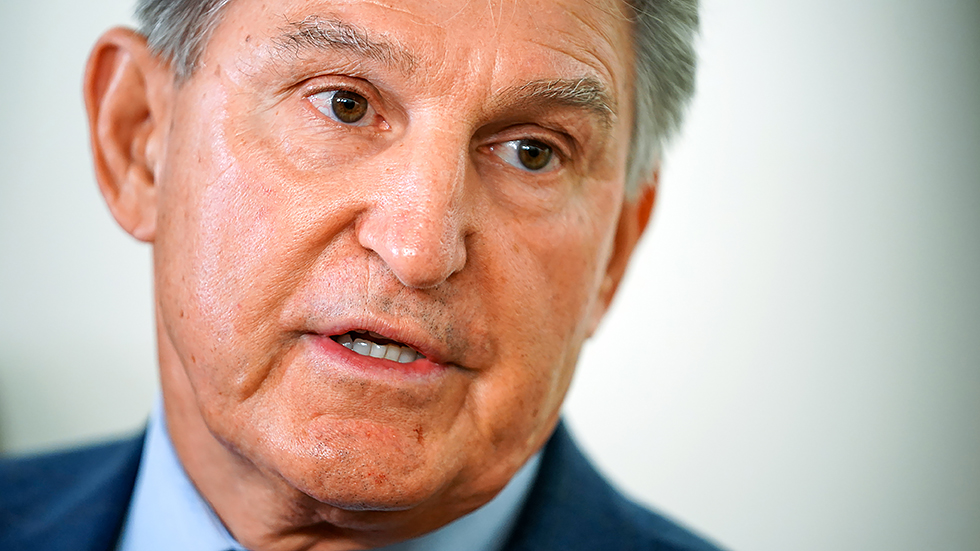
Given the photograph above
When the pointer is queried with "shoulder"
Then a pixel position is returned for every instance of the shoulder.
(81, 494)
(572, 507)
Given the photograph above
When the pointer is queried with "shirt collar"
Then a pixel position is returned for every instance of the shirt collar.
(167, 512)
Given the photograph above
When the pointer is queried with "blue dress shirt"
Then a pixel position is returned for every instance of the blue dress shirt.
(167, 512)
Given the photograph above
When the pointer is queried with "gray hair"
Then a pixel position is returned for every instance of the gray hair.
(663, 43)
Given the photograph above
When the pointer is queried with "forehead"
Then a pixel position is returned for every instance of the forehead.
(492, 44)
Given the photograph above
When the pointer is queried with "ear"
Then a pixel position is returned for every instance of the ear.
(633, 221)
(124, 87)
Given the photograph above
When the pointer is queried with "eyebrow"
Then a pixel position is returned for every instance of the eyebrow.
(583, 93)
(317, 33)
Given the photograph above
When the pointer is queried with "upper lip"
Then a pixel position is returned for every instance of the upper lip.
(402, 331)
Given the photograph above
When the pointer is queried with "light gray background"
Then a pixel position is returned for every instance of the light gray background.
(794, 360)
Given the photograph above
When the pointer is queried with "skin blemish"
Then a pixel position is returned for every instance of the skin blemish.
(271, 244)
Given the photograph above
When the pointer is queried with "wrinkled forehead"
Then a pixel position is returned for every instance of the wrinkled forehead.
(441, 38)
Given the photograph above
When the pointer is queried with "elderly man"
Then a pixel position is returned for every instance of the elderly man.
(381, 233)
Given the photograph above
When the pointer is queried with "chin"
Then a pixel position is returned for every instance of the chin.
(364, 466)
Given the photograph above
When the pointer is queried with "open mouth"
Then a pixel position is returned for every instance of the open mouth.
(369, 343)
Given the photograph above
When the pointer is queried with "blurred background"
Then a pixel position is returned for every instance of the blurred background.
(794, 359)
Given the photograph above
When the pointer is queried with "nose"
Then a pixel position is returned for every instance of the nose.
(417, 220)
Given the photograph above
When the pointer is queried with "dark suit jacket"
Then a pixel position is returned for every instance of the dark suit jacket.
(77, 501)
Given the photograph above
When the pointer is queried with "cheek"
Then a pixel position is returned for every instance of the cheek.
(546, 277)
(566, 256)
(541, 277)
(213, 254)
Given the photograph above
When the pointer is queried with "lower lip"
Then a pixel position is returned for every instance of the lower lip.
(339, 355)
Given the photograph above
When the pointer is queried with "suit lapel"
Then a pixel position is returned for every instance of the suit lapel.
(75, 500)
(570, 507)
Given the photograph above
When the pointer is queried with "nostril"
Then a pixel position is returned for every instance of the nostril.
(428, 266)
(421, 253)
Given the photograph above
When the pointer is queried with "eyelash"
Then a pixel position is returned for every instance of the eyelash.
(499, 149)
(325, 108)
(510, 148)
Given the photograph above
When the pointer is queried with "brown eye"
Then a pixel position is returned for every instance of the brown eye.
(348, 107)
(527, 155)
(533, 154)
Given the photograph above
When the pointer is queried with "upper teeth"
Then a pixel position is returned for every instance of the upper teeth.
(393, 352)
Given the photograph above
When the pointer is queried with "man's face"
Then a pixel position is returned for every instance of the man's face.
(434, 178)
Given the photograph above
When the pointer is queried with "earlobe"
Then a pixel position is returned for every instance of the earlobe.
(123, 97)
(633, 221)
